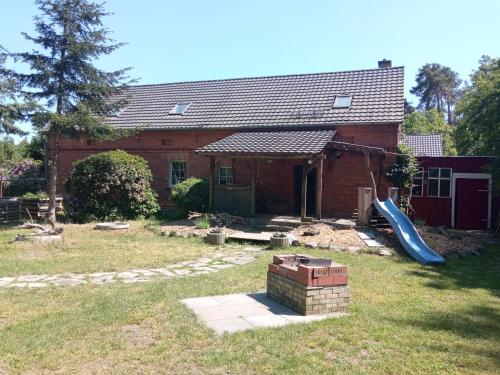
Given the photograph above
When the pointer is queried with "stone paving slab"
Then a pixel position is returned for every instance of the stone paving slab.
(238, 312)
(204, 265)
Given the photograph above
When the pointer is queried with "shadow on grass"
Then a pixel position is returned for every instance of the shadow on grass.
(473, 272)
(477, 324)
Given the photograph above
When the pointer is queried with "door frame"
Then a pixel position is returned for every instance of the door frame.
(470, 176)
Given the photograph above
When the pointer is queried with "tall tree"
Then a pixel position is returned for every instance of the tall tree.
(12, 109)
(478, 131)
(75, 96)
(431, 122)
(437, 87)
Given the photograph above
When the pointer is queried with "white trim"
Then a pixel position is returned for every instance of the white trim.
(471, 176)
(438, 178)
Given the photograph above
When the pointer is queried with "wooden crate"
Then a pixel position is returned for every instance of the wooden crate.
(37, 208)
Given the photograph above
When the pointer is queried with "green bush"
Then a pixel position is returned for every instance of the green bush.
(190, 195)
(110, 186)
(41, 195)
(202, 222)
(24, 177)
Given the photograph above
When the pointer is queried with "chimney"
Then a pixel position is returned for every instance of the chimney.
(384, 63)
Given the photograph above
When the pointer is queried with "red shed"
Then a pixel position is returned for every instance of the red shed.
(455, 191)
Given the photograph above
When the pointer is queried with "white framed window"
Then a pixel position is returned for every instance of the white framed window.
(177, 172)
(342, 101)
(418, 184)
(439, 182)
(226, 176)
(179, 108)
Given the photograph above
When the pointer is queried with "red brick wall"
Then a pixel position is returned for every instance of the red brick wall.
(342, 174)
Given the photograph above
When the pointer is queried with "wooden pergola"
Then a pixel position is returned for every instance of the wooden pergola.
(307, 146)
(309, 162)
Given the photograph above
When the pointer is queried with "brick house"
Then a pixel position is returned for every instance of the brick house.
(283, 144)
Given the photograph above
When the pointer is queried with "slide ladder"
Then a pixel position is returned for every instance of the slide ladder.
(407, 233)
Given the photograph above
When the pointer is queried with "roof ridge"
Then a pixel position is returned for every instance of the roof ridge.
(271, 76)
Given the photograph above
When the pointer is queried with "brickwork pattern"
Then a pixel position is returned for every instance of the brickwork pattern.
(307, 300)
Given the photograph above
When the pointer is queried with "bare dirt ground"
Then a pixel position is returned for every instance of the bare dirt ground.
(328, 235)
(447, 242)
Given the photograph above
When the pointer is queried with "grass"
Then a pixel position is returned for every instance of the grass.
(87, 250)
(405, 319)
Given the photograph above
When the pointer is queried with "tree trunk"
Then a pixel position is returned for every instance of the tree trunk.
(53, 163)
(449, 113)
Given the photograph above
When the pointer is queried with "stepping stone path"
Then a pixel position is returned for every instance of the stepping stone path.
(226, 258)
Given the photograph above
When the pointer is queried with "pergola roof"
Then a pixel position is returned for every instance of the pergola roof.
(269, 144)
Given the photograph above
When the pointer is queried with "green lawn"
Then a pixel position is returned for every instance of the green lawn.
(405, 319)
(87, 250)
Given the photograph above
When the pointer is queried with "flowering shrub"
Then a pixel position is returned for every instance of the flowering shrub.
(24, 177)
(110, 186)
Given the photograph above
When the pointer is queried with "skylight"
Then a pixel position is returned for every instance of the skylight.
(342, 101)
(179, 108)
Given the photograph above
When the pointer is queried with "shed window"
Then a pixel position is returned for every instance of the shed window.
(439, 182)
(177, 172)
(418, 184)
(179, 108)
(226, 176)
(342, 101)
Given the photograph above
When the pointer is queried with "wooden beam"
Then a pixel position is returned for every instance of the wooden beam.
(371, 179)
(353, 147)
(319, 187)
(253, 187)
(303, 198)
(211, 184)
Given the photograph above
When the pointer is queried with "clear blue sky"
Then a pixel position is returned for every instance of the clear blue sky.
(193, 40)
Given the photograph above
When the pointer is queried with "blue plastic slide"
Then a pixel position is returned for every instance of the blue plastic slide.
(407, 234)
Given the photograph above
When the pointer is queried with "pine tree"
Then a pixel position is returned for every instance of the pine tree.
(437, 87)
(74, 95)
(12, 108)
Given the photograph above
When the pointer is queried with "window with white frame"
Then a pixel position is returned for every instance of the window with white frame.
(226, 175)
(418, 184)
(177, 172)
(439, 182)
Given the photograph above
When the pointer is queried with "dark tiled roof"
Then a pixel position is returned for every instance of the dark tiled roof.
(425, 144)
(279, 101)
(269, 143)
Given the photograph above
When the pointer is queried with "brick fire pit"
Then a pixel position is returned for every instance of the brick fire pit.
(307, 284)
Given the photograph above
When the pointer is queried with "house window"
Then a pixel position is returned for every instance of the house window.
(418, 183)
(179, 108)
(439, 182)
(226, 176)
(177, 172)
(342, 101)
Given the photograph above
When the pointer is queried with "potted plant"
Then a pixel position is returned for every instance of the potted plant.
(216, 236)
(279, 239)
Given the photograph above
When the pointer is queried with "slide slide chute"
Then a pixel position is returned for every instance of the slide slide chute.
(407, 233)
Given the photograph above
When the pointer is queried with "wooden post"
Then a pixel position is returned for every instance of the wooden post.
(392, 194)
(319, 187)
(303, 198)
(211, 184)
(253, 187)
(371, 179)
(364, 205)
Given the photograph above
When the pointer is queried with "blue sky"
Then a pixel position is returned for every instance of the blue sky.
(193, 40)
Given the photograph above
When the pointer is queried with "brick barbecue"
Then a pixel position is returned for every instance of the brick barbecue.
(307, 284)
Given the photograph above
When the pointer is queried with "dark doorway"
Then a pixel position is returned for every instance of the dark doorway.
(471, 203)
(311, 190)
